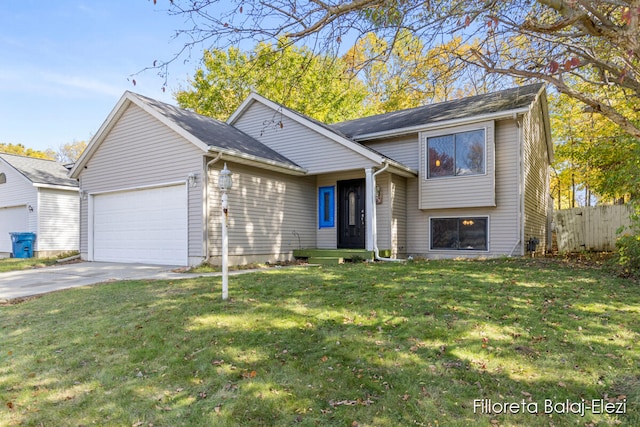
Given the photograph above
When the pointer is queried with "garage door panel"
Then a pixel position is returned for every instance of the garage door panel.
(11, 219)
(147, 226)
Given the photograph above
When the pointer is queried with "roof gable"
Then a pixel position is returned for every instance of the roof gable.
(505, 101)
(214, 133)
(40, 171)
(318, 127)
(206, 133)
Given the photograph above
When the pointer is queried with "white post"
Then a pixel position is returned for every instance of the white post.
(369, 208)
(225, 183)
(225, 247)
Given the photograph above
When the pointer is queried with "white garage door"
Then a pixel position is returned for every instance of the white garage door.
(145, 226)
(11, 219)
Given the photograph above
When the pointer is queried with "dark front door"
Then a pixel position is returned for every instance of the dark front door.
(351, 214)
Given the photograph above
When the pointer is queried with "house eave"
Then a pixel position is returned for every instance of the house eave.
(246, 159)
(55, 187)
(400, 169)
(441, 124)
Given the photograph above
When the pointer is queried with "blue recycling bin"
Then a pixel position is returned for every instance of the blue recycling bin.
(23, 244)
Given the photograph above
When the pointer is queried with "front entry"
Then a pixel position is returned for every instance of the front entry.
(351, 214)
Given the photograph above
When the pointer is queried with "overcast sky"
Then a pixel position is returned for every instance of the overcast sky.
(65, 64)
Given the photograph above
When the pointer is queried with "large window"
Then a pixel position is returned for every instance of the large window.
(456, 154)
(326, 207)
(459, 233)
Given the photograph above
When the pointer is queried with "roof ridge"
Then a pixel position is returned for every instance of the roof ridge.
(28, 157)
(440, 103)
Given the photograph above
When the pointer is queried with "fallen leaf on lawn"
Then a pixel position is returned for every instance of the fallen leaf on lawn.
(406, 397)
(324, 358)
(217, 362)
(251, 374)
(10, 405)
(561, 384)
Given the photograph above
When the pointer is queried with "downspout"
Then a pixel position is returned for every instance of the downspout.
(374, 220)
(520, 225)
(206, 206)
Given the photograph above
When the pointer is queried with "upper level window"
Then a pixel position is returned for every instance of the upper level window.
(456, 154)
(3, 178)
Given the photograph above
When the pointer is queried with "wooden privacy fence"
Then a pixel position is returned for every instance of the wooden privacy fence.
(590, 228)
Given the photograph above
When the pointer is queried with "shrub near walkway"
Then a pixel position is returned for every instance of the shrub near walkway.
(351, 345)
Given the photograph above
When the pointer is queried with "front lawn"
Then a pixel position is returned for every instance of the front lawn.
(438, 343)
(12, 264)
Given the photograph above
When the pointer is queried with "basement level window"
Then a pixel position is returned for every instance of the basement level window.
(468, 233)
(326, 207)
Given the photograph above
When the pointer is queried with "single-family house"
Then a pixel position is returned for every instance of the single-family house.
(36, 195)
(463, 178)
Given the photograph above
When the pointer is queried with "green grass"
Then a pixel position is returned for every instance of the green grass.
(356, 344)
(11, 264)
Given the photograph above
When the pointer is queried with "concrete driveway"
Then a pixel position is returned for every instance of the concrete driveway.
(24, 283)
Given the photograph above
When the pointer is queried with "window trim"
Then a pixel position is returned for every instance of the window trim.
(489, 148)
(458, 250)
(454, 134)
(323, 208)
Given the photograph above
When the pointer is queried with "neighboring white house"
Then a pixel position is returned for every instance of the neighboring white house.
(37, 196)
(463, 178)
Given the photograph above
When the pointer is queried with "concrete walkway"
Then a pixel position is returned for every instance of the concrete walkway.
(25, 283)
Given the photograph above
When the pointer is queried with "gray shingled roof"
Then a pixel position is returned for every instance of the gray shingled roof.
(215, 133)
(505, 100)
(40, 171)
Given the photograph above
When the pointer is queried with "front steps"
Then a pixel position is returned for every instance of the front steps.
(336, 256)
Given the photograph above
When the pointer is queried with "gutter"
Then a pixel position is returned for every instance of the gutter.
(446, 123)
(207, 242)
(374, 224)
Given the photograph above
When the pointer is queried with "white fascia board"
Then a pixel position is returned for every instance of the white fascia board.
(111, 119)
(400, 169)
(542, 99)
(240, 110)
(56, 187)
(127, 99)
(442, 124)
(254, 97)
(22, 176)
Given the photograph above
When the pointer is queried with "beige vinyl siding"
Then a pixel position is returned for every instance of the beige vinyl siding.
(307, 148)
(403, 149)
(503, 219)
(270, 215)
(18, 191)
(536, 177)
(138, 152)
(58, 229)
(398, 199)
(327, 238)
(459, 191)
(383, 212)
